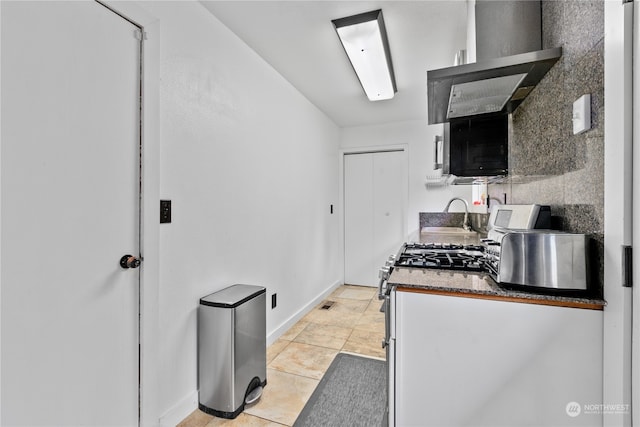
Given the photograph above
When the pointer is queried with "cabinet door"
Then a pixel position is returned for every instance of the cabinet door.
(473, 362)
(375, 186)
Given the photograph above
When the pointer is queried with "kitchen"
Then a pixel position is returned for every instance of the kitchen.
(225, 161)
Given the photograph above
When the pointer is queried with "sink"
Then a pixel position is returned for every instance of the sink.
(458, 231)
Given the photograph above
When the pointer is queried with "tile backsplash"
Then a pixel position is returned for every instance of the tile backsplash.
(547, 163)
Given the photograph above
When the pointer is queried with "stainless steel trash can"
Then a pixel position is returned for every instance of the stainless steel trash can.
(232, 349)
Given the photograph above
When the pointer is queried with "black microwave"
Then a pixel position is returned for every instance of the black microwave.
(477, 147)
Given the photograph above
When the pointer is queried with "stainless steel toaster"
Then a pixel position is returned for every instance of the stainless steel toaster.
(539, 258)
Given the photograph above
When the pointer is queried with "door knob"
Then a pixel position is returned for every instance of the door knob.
(129, 261)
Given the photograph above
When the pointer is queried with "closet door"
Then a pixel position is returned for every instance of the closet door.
(374, 200)
(358, 219)
(389, 213)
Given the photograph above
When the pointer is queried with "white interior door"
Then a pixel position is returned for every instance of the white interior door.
(375, 186)
(635, 207)
(389, 213)
(70, 210)
(620, 125)
(358, 219)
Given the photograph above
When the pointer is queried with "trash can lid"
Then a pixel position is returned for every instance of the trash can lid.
(232, 296)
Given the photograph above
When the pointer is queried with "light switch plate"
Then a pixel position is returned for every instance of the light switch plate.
(582, 114)
(165, 211)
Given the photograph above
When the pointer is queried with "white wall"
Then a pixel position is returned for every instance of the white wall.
(418, 137)
(251, 168)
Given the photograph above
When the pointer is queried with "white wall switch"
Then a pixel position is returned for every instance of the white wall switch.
(582, 114)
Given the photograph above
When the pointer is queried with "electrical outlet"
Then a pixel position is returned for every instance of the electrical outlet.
(273, 301)
(582, 114)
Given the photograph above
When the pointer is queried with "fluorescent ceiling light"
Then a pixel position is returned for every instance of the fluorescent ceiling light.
(365, 41)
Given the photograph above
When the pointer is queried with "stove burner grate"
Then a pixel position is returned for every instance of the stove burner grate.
(442, 256)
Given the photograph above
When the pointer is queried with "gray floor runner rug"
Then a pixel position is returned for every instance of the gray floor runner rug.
(351, 393)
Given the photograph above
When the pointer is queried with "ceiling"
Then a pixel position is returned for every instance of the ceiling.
(298, 39)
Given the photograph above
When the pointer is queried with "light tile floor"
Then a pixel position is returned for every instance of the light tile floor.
(298, 359)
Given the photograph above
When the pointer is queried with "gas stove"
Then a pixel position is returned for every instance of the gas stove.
(443, 256)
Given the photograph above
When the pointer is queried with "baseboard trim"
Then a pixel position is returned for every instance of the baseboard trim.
(180, 411)
(287, 324)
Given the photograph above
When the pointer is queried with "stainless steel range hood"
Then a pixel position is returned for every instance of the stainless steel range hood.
(505, 41)
(493, 86)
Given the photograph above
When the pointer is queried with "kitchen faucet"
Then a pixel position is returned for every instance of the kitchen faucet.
(465, 222)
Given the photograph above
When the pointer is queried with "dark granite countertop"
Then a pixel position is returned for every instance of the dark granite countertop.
(478, 285)
(465, 239)
(475, 285)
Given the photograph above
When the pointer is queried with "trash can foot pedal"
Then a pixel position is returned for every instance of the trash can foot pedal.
(253, 396)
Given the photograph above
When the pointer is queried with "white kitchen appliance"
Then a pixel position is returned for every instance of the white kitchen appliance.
(504, 218)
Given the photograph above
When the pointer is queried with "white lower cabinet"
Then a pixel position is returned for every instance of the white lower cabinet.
(474, 362)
